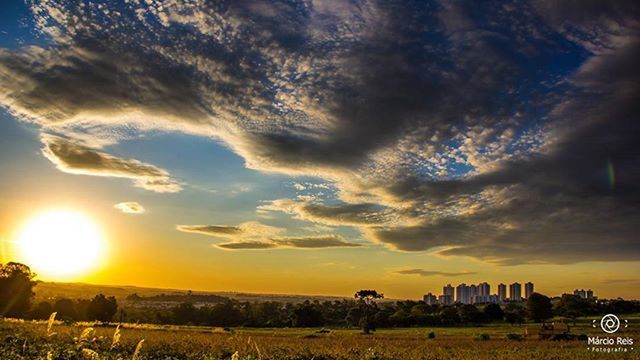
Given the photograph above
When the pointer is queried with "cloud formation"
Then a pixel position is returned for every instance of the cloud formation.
(427, 273)
(130, 207)
(257, 236)
(74, 158)
(506, 132)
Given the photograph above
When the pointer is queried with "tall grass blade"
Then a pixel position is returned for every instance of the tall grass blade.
(137, 351)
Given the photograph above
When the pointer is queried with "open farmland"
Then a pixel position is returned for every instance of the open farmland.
(30, 340)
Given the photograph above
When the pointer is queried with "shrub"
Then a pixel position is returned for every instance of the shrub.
(516, 337)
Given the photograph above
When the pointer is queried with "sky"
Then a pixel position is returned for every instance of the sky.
(321, 147)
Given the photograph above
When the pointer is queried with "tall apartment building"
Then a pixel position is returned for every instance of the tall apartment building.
(484, 289)
(515, 292)
(473, 293)
(583, 294)
(447, 290)
(528, 290)
(484, 292)
(445, 299)
(502, 292)
(463, 294)
(430, 299)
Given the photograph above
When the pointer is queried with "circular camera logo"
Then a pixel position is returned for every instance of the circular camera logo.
(610, 323)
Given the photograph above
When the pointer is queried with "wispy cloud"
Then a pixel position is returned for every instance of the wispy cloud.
(74, 158)
(427, 273)
(130, 207)
(257, 236)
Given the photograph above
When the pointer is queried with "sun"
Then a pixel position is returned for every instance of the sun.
(61, 244)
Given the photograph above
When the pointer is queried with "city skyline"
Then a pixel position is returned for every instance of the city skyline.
(481, 293)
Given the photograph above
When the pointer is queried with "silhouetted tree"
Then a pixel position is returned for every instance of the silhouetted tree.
(16, 289)
(102, 308)
(572, 307)
(449, 315)
(367, 300)
(184, 313)
(539, 307)
(494, 312)
(469, 314)
(66, 309)
(514, 313)
(41, 311)
(226, 314)
(307, 315)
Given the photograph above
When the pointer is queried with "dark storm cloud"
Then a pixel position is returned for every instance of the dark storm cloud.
(565, 205)
(503, 131)
(74, 158)
(94, 78)
(427, 273)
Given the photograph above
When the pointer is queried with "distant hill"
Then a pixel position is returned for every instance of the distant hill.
(52, 290)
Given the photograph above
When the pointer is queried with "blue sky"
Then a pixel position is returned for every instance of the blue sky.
(434, 133)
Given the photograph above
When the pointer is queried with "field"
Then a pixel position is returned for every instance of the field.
(51, 290)
(30, 340)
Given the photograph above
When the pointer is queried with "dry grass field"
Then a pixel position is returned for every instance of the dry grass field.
(32, 340)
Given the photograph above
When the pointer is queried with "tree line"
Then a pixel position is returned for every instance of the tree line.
(16, 299)
(364, 311)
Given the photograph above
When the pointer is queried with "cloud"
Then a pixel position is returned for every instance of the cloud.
(302, 242)
(74, 158)
(426, 273)
(246, 245)
(620, 281)
(250, 229)
(314, 242)
(130, 207)
(210, 230)
(257, 236)
(503, 132)
(344, 214)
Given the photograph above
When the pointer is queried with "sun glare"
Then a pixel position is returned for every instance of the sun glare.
(61, 244)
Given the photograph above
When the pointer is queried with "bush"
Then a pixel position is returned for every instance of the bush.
(431, 335)
(484, 337)
(516, 337)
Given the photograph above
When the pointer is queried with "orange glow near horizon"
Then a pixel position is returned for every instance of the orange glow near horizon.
(61, 244)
